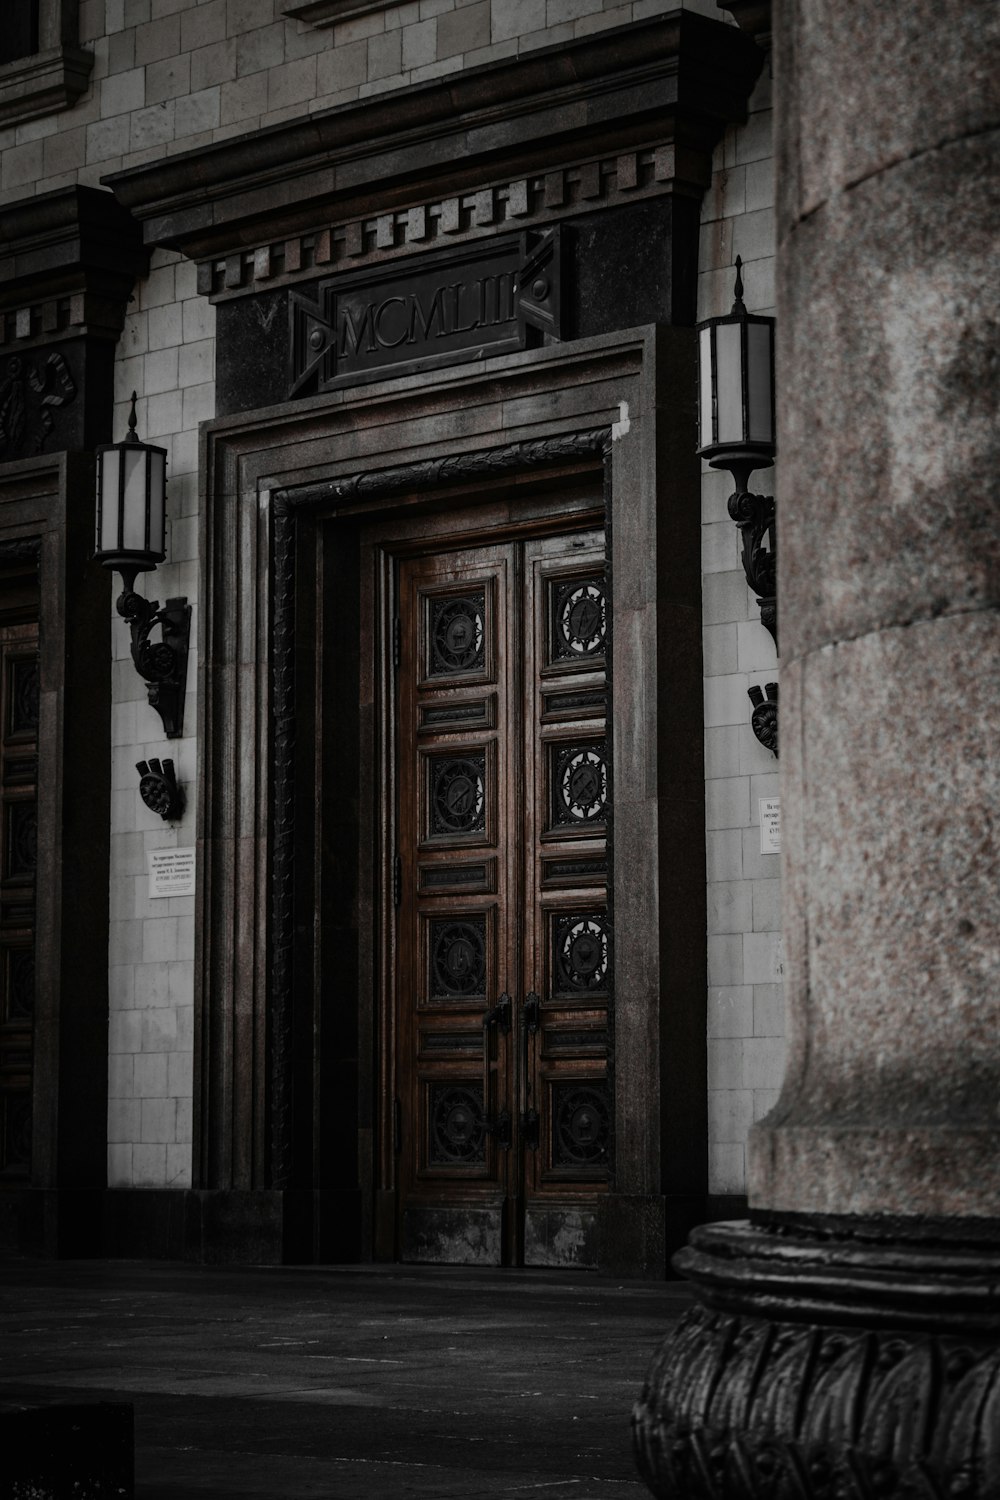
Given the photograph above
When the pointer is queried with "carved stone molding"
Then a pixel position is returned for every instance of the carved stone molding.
(511, 140)
(55, 76)
(827, 1368)
(500, 204)
(68, 262)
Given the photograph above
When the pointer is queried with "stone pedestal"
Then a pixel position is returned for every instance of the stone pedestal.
(848, 1339)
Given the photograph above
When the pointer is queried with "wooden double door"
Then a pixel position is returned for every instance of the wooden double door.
(502, 951)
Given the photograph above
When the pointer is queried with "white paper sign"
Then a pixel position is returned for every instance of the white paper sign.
(770, 825)
(171, 872)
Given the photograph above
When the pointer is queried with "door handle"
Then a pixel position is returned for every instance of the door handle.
(498, 1015)
(530, 1021)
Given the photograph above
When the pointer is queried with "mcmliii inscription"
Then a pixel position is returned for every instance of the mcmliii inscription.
(453, 306)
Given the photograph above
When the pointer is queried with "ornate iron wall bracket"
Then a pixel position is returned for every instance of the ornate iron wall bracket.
(764, 719)
(754, 515)
(159, 790)
(161, 664)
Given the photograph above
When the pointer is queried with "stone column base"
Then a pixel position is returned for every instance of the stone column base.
(827, 1363)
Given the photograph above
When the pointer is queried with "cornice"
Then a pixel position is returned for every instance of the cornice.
(671, 84)
(68, 260)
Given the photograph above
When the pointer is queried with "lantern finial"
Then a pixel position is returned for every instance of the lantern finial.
(738, 303)
(132, 436)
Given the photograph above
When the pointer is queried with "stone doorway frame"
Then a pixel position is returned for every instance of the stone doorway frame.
(639, 388)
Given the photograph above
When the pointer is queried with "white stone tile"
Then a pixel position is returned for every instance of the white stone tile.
(150, 1076)
(719, 649)
(180, 1074)
(184, 1110)
(730, 1011)
(725, 596)
(729, 906)
(768, 1010)
(120, 1164)
(178, 1167)
(160, 940)
(766, 905)
(120, 1075)
(726, 1169)
(724, 854)
(159, 1029)
(151, 980)
(123, 93)
(730, 1115)
(158, 1121)
(761, 957)
(199, 401)
(727, 802)
(725, 959)
(720, 547)
(722, 751)
(123, 1120)
(726, 700)
(149, 1165)
(184, 1017)
(121, 986)
(763, 1062)
(755, 649)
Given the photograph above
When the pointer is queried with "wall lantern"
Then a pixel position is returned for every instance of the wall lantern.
(736, 432)
(131, 526)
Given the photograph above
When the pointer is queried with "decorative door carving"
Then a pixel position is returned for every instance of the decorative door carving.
(503, 948)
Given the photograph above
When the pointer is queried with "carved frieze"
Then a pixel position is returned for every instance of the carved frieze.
(34, 386)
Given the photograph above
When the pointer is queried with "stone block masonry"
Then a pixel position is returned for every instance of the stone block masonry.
(166, 355)
(745, 962)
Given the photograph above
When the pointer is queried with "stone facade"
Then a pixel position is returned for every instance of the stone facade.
(171, 77)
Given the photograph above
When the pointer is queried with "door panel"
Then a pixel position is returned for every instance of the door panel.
(502, 973)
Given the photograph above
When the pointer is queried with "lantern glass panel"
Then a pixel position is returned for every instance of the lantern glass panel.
(729, 383)
(705, 370)
(134, 529)
(760, 398)
(108, 480)
(157, 501)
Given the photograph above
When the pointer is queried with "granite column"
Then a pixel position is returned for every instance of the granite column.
(846, 1341)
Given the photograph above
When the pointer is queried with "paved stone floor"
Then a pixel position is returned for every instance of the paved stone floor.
(357, 1383)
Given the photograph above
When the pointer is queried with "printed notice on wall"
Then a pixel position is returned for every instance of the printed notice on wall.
(770, 825)
(171, 872)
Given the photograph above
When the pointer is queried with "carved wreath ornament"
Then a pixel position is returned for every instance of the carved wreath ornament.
(740, 1408)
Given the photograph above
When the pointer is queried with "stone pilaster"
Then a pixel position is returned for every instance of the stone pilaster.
(847, 1342)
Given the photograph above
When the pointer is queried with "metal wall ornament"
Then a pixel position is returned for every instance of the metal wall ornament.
(764, 719)
(736, 431)
(159, 789)
(131, 539)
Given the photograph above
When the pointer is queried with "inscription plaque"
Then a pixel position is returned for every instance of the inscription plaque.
(419, 314)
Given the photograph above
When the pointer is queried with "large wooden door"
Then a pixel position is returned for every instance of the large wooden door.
(502, 954)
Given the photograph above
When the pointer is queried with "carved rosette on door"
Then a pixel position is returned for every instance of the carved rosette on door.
(503, 949)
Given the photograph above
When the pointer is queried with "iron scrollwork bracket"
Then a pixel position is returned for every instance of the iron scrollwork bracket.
(754, 515)
(161, 664)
